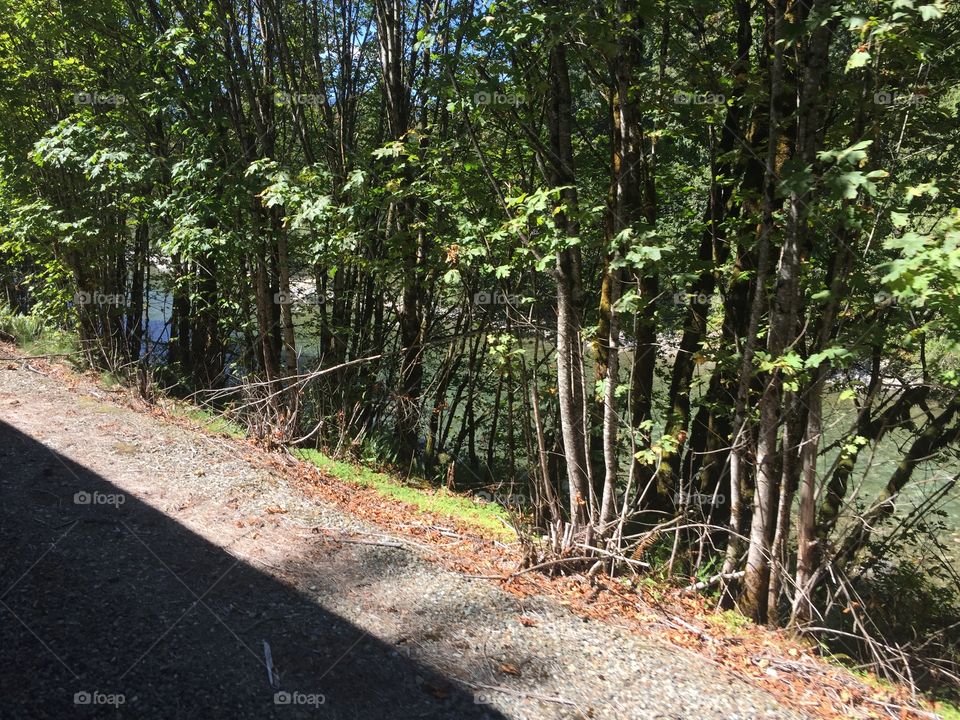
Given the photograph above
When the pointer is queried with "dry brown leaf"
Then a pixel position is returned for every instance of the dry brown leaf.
(510, 669)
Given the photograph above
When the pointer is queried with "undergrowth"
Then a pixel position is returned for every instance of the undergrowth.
(34, 335)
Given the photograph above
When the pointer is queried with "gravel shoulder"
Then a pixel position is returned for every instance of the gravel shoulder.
(143, 560)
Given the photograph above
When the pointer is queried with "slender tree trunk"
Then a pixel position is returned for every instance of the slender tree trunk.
(567, 274)
(783, 326)
(740, 431)
(135, 319)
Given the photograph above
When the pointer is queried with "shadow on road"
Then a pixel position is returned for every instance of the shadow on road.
(109, 608)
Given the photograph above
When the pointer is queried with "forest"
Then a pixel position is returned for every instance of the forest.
(676, 284)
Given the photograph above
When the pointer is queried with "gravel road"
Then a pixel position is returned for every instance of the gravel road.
(146, 567)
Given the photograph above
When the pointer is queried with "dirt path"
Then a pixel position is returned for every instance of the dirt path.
(144, 565)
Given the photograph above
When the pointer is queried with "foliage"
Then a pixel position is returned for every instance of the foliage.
(666, 271)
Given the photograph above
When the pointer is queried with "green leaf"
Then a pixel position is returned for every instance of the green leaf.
(829, 354)
(857, 60)
(452, 277)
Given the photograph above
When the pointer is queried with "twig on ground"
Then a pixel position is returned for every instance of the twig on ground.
(358, 541)
(22, 358)
(521, 693)
(486, 577)
(703, 584)
(701, 635)
(619, 557)
(551, 563)
(903, 708)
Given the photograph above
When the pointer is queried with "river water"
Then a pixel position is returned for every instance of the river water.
(872, 472)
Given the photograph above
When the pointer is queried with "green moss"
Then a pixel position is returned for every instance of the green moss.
(486, 517)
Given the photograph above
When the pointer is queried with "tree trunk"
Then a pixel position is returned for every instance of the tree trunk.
(567, 274)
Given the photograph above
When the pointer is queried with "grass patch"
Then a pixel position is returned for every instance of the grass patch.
(34, 336)
(489, 518)
(212, 421)
(947, 711)
(729, 620)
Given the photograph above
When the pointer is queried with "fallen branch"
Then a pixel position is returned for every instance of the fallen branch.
(701, 635)
(486, 577)
(703, 584)
(540, 566)
(20, 358)
(272, 674)
(903, 708)
(551, 563)
(358, 541)
(520, 693)
(619, 557)
(391, 541)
